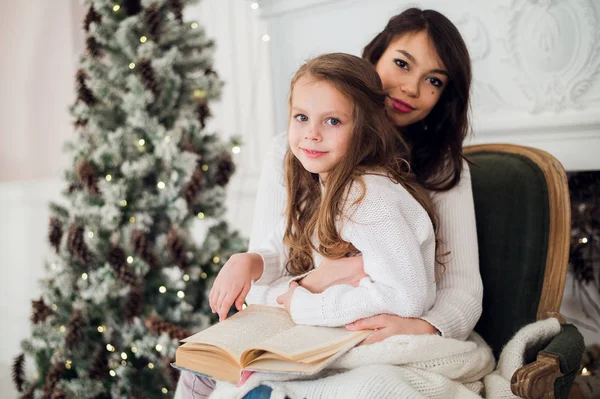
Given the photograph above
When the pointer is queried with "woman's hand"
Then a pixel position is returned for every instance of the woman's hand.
(347, 270)
(233, 282)
(286, 299)
(386, 325)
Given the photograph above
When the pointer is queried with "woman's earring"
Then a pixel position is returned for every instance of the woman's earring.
(425, 126)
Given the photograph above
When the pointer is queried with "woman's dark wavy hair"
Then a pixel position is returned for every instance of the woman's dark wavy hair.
(436, 142)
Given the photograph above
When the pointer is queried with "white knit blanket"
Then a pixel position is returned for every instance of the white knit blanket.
(405, 366)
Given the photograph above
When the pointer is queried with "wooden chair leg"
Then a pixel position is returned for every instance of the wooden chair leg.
(536, 380)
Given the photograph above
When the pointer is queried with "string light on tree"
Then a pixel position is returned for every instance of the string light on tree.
(132, 65)
(265, 38)
(116, 7)
(108, 177)
(84, 276)
(130, 259)
(143, 39)
(133, 349)
(199, 94)
(583, 240)
(91, 234)
(254, 6)
(112, 373)
(194, 25)
(161, 185)
(167, 138)
(236, 149)
(142, 142)
(110, 348)
(123, 355)
(216, 259)
(205, 168)
(123, 202)
(101, 329)
(150, 366)
(200, 215)
(181, 294)
(585, 372)
(186, 277)
(158, 347)
(132, 219)
(162, 289)
(164, 390)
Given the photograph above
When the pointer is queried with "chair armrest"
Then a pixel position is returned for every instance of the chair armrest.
(552, 374)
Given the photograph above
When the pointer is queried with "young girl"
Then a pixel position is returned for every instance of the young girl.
(350, 189)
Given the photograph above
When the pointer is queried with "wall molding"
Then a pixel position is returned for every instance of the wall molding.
(274, 8)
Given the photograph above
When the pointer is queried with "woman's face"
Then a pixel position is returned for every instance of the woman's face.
(413, 76)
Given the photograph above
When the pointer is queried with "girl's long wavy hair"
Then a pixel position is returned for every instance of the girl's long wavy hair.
(436, 143)
(375, 147)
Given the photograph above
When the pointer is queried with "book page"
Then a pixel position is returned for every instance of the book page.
(302, 341)
(245, 330)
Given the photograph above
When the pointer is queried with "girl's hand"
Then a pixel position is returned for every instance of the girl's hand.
(286, 299)
(386, 325)
(233, 282)
(347, 270)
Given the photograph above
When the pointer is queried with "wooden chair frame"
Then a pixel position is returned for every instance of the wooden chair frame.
(536, 380)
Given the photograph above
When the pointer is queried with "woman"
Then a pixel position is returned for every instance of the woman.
(425, 68)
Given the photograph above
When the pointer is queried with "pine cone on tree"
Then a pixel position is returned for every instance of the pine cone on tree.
(80, 123)
(194, 186)
(157, 326)
(225, 169)
(58, 394)
(176, 8)
(99, 368)
(91, 16)
(117, 260)
(77, 246)
(93, 47)
(83, 92)
(147, 76)
(176, 247)
(134, 304)
(55, 233)
(40, 311)
(153, 18)
(75, 329)
(142, 247)
(210, 72)
(87, 176)
(54, 375)
(29, 394)
(132, 7)
(18, 372)
(203, 112)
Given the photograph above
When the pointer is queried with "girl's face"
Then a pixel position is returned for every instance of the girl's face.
(413, 76)
(320, 125)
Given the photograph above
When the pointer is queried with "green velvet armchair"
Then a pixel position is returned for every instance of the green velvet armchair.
(523, 227)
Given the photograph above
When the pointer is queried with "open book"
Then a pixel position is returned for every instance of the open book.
(263, 338)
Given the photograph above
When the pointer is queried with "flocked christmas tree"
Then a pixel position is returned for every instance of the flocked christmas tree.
(126, 279)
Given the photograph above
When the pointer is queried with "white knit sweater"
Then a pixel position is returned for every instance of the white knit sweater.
(459, 292)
